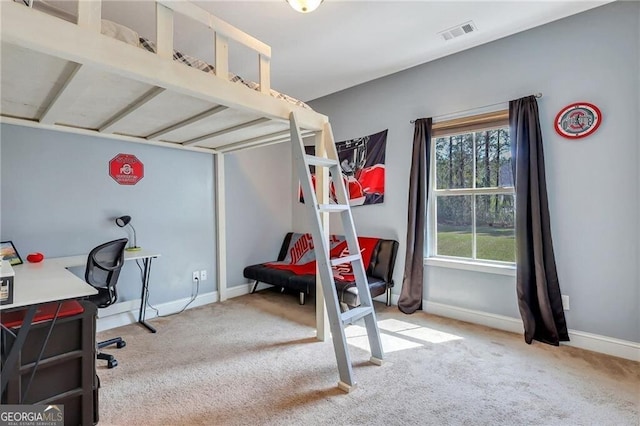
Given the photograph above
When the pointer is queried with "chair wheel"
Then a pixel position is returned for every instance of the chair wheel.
(112, 363)
(120, 345)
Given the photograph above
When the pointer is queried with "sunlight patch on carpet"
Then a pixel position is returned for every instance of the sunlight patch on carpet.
(397, 335)
(430, 335)
(417, 332)
(357, 336)
(395, 325)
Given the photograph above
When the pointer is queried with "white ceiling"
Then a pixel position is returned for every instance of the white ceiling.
(347, 42)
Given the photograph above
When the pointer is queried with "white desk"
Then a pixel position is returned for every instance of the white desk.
(51, 281)
(44, 282)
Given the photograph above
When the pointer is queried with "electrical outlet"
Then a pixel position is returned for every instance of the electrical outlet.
(565, 302)
(196, 276)
(203, 275)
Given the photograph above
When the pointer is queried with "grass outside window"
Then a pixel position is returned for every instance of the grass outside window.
(492, 243)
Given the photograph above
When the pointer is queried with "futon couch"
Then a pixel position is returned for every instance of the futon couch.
(298, 249)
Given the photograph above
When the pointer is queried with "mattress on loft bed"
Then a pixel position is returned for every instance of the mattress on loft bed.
(129, 36)
(208, 68)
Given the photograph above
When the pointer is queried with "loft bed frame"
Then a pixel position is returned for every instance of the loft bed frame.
(69, 77)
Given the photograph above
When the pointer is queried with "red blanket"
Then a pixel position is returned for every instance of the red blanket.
(343, 272)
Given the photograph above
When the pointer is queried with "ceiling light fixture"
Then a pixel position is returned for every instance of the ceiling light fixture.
(304, 6)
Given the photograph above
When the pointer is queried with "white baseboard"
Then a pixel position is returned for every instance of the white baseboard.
(606, 345)
(500, 322)
(579, 339)
(239, 290)
(125, 313)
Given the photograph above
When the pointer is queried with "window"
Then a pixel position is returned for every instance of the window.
(472, 210)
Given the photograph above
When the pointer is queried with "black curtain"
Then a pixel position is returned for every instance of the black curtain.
(411, 293)
(537, 286)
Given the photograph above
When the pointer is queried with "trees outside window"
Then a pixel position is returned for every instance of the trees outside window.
(473, 195)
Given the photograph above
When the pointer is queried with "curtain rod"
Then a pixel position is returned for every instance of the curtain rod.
(537, 95)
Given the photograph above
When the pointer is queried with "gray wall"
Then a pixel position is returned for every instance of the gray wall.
(593, 183)
(258, 187)
(57, 198)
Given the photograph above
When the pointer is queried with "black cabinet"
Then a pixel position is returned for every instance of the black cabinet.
(66, 373)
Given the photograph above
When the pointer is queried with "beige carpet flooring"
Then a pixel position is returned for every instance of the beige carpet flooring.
(253, 360)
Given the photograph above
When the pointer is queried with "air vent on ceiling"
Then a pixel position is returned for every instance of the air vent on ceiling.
(458, 30)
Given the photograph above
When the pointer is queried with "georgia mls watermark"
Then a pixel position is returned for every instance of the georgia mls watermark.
(31, 415)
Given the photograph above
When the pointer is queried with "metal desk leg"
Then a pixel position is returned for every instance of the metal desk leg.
(12, 358)
(145, 293)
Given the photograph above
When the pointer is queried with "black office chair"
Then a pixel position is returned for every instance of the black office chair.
(103, 269)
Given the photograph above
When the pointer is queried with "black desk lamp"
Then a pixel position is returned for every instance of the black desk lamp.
(123, 221)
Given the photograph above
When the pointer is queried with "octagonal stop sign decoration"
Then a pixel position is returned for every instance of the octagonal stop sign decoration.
(126, 169)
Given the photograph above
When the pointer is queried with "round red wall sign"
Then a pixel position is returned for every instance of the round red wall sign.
(126, 169)
(578, 120)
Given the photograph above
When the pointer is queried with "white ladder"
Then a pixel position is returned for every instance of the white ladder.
(337, 319)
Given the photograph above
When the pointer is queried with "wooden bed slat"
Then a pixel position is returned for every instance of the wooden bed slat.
(160, 112)
(220, 121)
(112, 122)
(241, 135)
(270, 139)
(187, 122)
(67, 94)
(29, 81)
(255, 141)
(256, 145)
(225, 131)
(104, 96)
